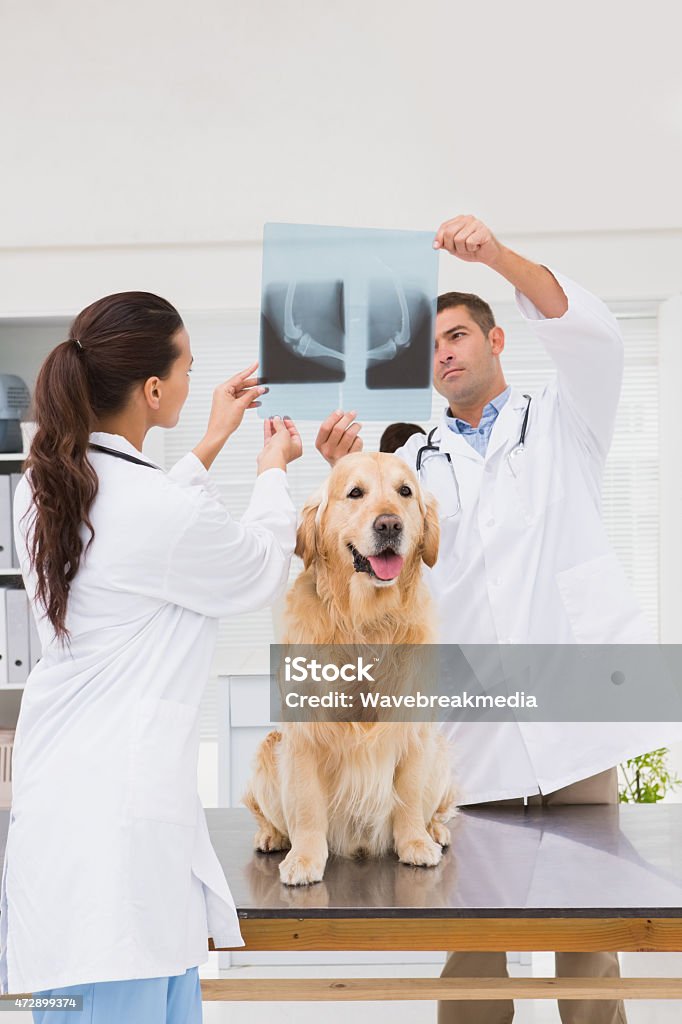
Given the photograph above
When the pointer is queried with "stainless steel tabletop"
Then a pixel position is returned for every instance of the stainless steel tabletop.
(566, 861)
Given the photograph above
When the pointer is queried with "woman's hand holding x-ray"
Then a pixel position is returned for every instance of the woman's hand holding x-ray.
(231, 399)
(281, 443)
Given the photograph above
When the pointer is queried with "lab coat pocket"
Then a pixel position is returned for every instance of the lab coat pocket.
(600, 605)
(165, 748)
(535, 478)
(160, 887)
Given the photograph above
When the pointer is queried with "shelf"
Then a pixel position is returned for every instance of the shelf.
(10, 572)
(13, 456)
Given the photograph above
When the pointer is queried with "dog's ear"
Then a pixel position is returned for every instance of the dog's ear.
(431, 535)
(307, 533)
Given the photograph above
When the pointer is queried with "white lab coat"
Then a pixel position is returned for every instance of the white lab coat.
(109, 872)
(527, 560)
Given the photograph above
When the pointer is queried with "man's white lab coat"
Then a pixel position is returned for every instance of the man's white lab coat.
(527, 560)
(109, 872)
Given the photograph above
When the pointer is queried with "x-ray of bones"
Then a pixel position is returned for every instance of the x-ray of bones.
(350, 312)
(303, 344)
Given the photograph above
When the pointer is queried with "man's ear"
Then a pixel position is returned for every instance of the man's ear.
(496, 339)
(431, 534)
(307, 533)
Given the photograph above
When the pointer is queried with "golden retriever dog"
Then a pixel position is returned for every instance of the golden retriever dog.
(357, 789)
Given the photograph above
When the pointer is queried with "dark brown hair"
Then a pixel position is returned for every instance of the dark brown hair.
(114, 344)
(396, 434)
(478, 308)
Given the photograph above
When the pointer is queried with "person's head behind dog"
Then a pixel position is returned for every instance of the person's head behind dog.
(370, 526)
(397, 434)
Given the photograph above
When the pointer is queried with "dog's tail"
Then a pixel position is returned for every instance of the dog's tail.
(263, 797)
(447, 808)
(265, 769)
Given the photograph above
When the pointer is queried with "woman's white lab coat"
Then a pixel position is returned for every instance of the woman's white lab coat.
(527, 559)
(109, 871)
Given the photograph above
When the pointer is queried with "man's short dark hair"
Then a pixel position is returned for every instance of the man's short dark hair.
(396, 434)
(478, 309)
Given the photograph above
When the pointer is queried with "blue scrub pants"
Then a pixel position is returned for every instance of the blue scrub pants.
(175, 1000)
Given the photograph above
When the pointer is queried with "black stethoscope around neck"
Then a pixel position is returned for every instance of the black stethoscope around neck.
(122, 455)
(432, 450)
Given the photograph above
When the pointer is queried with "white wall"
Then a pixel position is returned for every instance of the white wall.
(156, 121)
(56, 280)
(145, 143)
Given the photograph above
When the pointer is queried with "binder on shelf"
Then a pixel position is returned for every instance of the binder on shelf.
(18, 657)
(35, 648)
(14, 480)
(6, 748)
(4, 674)
(6, 527)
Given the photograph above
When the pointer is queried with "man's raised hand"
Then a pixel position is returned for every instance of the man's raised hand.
(469, 239)
(338, 436)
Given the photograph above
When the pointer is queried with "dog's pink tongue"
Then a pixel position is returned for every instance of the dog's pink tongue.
(386, 565)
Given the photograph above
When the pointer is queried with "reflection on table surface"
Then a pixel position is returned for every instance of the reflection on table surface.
(588, 861)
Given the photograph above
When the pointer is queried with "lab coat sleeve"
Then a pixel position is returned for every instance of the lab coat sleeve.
(408, 451)
(220, 566)
(190, 471)
(586, 346)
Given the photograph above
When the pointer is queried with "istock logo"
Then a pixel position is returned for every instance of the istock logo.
(298, 670)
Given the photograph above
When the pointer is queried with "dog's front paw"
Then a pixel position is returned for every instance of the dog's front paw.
(270, 840)
(422, 852)
(299, 869)
(439, 833)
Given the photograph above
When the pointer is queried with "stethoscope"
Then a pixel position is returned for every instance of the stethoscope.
(122, 455)
(430, 450)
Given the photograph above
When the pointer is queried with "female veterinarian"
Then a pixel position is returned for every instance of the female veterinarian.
(110, 884)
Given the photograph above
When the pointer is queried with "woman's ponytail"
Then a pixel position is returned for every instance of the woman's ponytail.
(117, 342)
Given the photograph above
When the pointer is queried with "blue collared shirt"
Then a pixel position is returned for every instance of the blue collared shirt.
(479, 436)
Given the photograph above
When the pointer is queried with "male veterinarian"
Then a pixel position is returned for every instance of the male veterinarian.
(524, 556)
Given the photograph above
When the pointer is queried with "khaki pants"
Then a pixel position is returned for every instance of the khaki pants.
(598, 789)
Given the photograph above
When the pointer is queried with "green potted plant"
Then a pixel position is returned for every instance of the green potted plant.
(647, 778)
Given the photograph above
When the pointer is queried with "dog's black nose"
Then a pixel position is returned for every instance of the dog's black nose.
(388, 527)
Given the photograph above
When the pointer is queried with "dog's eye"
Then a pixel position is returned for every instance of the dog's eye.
(355, 493)
(405, 491)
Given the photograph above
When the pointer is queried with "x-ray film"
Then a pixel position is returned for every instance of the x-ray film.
(347, 321)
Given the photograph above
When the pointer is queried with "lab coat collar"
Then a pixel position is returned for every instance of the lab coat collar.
(454, 443)
(120, 444)
(508, 421)
(507, 426)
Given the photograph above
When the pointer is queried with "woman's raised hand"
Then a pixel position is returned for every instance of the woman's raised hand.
(281, 443)
(231, 399)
